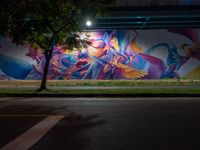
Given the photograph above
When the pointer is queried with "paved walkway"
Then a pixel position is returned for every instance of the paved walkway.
(99, 87)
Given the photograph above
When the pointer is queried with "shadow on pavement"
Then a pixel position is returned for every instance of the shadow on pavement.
(70, 133)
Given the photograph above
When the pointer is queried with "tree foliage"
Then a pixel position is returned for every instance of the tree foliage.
(42, 23)
(38, 22)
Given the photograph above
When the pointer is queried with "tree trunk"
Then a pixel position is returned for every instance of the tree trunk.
(45, 70)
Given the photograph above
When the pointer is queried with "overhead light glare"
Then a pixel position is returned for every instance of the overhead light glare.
(88, 23)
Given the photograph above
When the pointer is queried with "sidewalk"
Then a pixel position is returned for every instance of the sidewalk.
(101, 91)
(100, 87)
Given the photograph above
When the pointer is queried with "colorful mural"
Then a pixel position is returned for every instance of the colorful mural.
(112, 55)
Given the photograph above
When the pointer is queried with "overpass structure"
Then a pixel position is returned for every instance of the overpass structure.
(151, 14)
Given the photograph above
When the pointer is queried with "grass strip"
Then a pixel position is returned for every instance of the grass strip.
(134, 91)
(168, 82)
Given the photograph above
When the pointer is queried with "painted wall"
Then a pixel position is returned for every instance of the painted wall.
(120, 54)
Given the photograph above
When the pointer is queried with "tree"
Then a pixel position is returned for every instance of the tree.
(48, 22)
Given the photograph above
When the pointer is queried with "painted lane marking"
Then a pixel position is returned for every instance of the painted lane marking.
(27, 115)
(34, 134)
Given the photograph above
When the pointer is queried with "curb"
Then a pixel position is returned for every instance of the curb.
(100, 95)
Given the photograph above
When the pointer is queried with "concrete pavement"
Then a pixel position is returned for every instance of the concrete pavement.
(14, 91)
(97, 87)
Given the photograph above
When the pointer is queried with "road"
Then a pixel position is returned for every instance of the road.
(100, 123)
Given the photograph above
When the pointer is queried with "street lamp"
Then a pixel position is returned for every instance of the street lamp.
(88, 23)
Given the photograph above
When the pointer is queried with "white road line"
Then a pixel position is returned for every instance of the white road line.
(27, 115)
(31, 136)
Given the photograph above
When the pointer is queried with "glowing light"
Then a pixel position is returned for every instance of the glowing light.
(88, 23)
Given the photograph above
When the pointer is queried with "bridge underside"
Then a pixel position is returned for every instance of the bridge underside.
(153, 17)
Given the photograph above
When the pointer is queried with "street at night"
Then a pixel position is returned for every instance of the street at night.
(99, 123)
(100, 75)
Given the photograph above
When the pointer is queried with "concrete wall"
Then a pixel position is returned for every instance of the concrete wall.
(113, 55)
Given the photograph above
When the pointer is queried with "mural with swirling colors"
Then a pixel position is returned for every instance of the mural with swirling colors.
(112, 55)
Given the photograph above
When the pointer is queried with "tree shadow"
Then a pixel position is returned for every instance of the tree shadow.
(39, 91)
(73, 132)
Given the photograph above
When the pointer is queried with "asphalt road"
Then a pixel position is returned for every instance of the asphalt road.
(100, 123)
